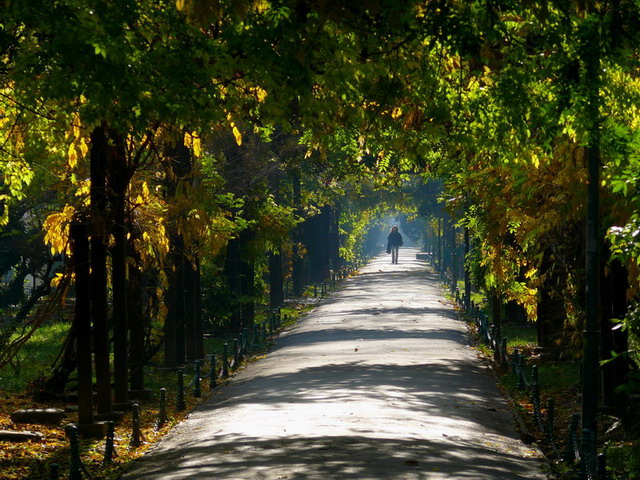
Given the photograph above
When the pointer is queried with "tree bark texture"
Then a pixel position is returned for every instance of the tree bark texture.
(118, 181)
(82, 320)
(99, 302)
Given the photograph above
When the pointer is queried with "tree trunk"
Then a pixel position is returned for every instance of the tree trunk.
(171, 321)
(467, 276)
(174, 328)
(232, 274)
(137, 324)
(297, 260)
(177, 284)
(614, 340)
(439, 235)
(199, 326)
(454, 254)
(190, 311)
(118, 183)
(276, 280)
(99, 302)
(334, 239)
(496, 320)
(82, 320)
(247, 282)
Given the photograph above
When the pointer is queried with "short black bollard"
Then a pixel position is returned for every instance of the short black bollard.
(572, 449)
(494, 344)
(225, 360)
(180, 405)
(245, 341)
(54, 472)
(236, 353)
(602, 467)
(535, 398)
(135, 426)
(75, 472)
(315, 290)
(588, 457)
(108, 444)
(504, 355)
(514, 362)
(162, 411)
(197, 390)
(213, 372)
(521, 375)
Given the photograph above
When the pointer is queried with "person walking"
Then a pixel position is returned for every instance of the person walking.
(394, 240)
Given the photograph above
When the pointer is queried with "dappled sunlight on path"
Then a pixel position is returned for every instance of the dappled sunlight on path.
(377, 383)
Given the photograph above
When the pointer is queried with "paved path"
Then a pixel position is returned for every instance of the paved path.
(377, 383)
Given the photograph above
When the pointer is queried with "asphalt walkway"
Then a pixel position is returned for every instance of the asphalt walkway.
(378, 382)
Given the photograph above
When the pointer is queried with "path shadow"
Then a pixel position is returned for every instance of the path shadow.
(340, 457)
(305, 339)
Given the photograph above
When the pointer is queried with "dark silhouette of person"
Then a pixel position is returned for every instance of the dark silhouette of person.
(394, 240)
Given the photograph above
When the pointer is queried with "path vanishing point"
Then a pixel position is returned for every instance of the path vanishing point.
(378, 382)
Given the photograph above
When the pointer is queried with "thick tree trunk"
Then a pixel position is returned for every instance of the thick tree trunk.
(247, 283)
(191, 349)
(454, 253)
(467, 276)
(614, 340)
(551, 309)
(199, 326)
(297, 262)
(515, 313)
(170, 321)
(82, 320)
(276, 280)
(137, 328)
(118, 183)
(174, 328)
(179, 305)
(551, 318)
(99, 302)
(334, 239)
(496, 320)
(232, 274)
(316, 239)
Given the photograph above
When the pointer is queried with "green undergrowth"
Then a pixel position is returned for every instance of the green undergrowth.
(560, 380)
(34, 358)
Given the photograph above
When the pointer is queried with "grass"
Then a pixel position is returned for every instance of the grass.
(35, 357)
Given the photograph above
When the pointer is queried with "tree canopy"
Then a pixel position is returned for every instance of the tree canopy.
(230, 130)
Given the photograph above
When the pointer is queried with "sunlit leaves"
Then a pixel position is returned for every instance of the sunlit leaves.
(56, 227)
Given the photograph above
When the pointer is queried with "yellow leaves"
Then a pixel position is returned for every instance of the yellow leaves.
(83, 190)
(234, 129)
(259, 92)
(192, 141)
(55, 281)
(396, 112)
(261, 6)
(79, 146)
(56, 227)
(535, 160)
